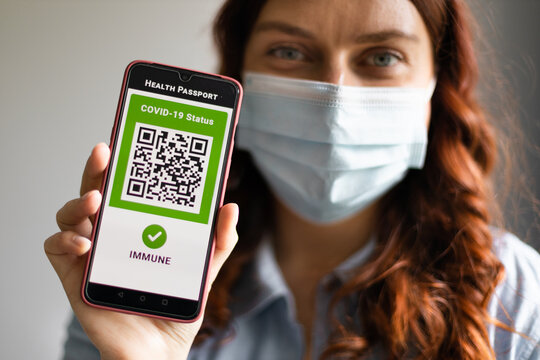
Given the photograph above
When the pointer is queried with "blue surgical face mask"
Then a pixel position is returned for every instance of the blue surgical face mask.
(328, 151)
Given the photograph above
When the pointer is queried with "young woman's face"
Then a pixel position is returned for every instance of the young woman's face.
(345, 42)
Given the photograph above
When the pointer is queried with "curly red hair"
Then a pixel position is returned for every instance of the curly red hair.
(424, 292)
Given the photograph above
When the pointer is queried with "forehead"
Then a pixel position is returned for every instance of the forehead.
(343, 20)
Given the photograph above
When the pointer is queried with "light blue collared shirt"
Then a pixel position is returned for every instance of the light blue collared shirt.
(264, 322)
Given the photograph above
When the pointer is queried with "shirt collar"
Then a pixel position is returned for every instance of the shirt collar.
(262, 282)
(346, 269)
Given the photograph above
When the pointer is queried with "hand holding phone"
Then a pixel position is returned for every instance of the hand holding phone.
(154, 113)
(68, 250)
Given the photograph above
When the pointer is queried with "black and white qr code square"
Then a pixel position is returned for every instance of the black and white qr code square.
(167, 168)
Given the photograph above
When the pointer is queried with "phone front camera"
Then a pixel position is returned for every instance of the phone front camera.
(184, 77)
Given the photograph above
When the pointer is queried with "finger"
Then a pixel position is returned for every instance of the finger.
(65, 251)
(66, 243)
(226, 237)
(74, 214)
(95, 166)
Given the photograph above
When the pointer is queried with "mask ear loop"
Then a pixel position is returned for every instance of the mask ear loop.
(432, 82)
(419, 150)
(431, 87)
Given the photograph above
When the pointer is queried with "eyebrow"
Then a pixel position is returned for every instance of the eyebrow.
(364, 38)
(283, 27)
(386, 35)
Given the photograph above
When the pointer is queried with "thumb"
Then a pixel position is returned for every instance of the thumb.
(226, 238)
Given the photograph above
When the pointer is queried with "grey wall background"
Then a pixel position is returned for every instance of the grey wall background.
(62, 62)
(62, 67)
(509, 54)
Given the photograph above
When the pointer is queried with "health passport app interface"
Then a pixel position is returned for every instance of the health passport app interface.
(155, 229)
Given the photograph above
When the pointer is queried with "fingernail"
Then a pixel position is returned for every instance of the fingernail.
(82, 242)
(237, 214)
(87, 195)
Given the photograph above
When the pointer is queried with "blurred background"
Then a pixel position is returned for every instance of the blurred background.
(62, 65)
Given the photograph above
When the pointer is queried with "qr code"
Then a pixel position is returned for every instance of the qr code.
(167, 168)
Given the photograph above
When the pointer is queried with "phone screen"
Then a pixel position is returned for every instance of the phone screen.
(154, 230)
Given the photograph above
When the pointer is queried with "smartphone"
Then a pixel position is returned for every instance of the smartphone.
(153, 234)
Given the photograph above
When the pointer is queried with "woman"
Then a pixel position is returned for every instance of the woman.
(367, 237)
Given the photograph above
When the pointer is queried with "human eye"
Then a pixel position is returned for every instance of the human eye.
(382, 64)
(288, 53)
(383, 59)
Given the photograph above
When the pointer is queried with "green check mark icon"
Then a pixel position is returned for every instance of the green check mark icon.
(154, 236)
